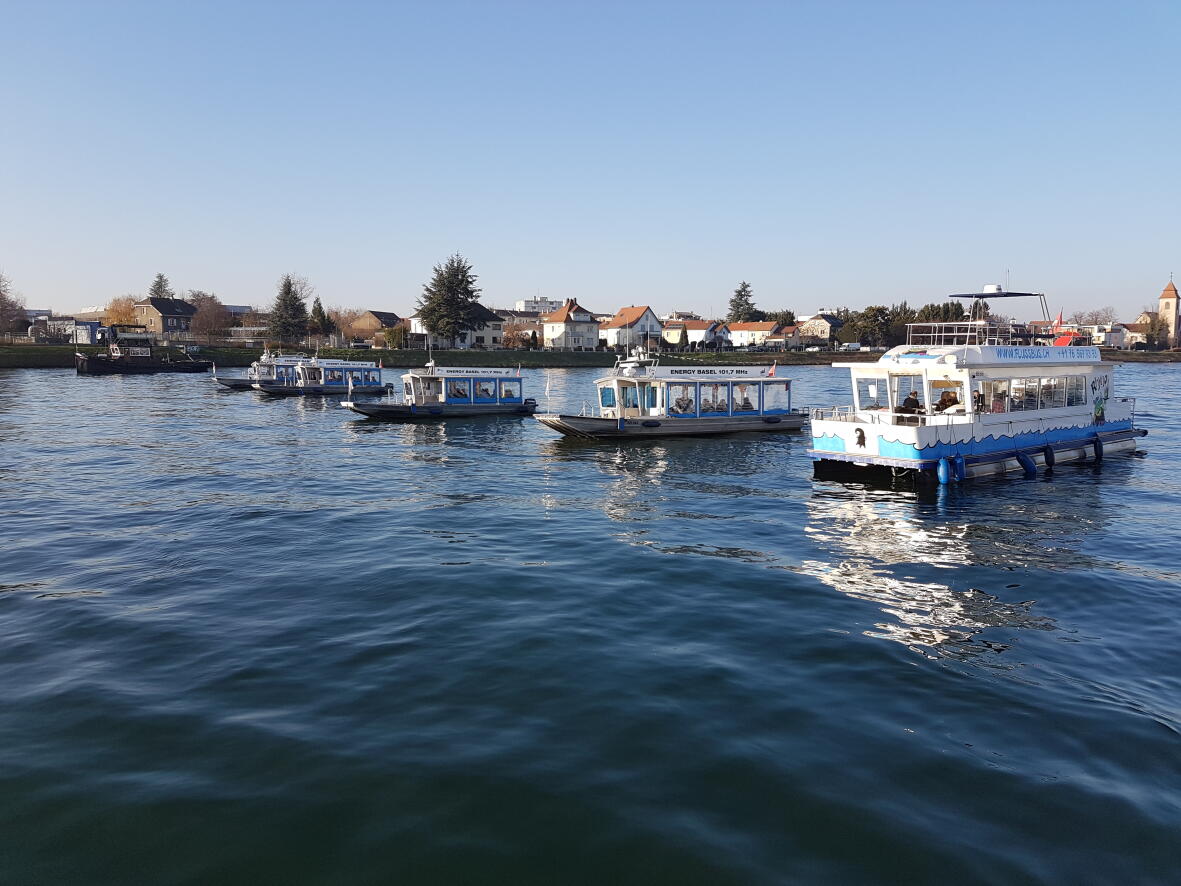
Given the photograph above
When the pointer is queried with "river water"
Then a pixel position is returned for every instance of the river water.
(252, 641)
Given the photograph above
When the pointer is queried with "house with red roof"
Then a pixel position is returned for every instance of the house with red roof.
(752, 333)
(570, 327)
(632, 325)
(698, 334)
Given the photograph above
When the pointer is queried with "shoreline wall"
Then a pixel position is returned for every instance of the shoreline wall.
(62, 357)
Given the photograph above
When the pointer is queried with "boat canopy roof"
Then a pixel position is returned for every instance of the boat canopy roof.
(430, 371)
(694, 373)
(339, 364)
(911, 356)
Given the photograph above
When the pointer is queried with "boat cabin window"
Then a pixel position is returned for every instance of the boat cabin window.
(408, 390)
(951, 397)
(459, 389)
(485, 389)
(715, 399)
(357, 376)
(682, 400)
(1053, 393)
(311, 374)
(776, 397)
(630, 396)
(909, 397)
(334, 377)
(1076, 391)
(872, 393)
(744, 397)
(995, 395)
(607, 397)
(510, 391)
(372, 377)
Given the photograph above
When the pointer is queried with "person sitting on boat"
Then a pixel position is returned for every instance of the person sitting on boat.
(978, 401)
(911, 404)
(947, 400)
(683, 405)
(998, 401)
(743, 405)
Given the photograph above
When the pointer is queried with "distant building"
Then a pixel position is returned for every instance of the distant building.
(679, 315)
(164, 316)
(372, 322)
(1170, 315)
(751, 333)
(538, 305)
(786, 338)
(487, 335)
(570, 327)
(820, 328)
(699, 334)
(632, 325)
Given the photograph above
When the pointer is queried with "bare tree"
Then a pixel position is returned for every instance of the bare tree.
(13, 318)
(211, 319)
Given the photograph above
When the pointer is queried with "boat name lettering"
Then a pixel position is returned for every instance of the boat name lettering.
(1032, 353)
(716, 371)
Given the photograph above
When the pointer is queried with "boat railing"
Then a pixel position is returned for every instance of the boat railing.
(886, 417)
(963, 332)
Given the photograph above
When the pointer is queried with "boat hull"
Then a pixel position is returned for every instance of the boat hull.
(96, 364)
(404, 412)
(1093, 447)
(316, 390)
(234, 384)
(601, 428)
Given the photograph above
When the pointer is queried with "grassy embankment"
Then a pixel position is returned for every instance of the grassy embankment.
(62, 357)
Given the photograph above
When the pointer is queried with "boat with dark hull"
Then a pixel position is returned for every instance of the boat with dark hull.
(267, 369)
(439, 392)
(132, 350)
(640, 398)
(318, 378)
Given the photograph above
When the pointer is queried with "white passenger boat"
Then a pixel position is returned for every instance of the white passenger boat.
(436, 392)
(318, 377)
(973, 398)
(267, 369)
(641, 398)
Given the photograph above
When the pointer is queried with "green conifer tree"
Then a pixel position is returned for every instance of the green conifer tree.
(742, 305)
(161, 288)
(448, 306)
(289, 315)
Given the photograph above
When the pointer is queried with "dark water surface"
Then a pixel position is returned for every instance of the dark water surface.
(245, 641)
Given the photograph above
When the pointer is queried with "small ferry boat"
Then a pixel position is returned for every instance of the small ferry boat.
(317, 377)
(973, 398)
(641, 398)
(132, 350)
(267, 369)
(436, 392)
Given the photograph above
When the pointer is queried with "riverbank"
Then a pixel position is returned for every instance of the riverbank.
(62, 357)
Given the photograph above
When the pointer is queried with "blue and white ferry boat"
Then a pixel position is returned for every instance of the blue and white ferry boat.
(641, 398)
(267, 369)
(318, 377)
(437, 392)
(973, 398)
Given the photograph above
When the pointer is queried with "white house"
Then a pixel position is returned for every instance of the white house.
(631, 326)
(488, 335)
(1107, 335)
(700, 334)
(570, 327)
(538, 305)
(752, 333)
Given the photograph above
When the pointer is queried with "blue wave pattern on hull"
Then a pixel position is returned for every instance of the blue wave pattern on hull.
(986, 446)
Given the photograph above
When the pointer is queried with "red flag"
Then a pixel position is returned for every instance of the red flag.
(771, 371)
(1057, 324)
(379, 366)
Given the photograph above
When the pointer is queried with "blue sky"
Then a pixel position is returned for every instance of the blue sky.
(620, 153)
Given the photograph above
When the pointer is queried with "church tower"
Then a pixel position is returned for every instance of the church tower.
(1169, 313)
